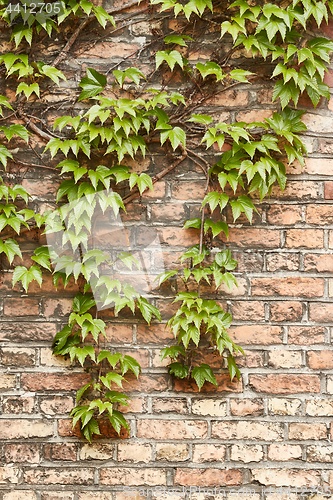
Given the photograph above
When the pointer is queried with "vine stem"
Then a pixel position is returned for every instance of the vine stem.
(85, 23)
(157, 177)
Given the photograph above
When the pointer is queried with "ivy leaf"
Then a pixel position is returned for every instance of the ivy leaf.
(81, 391)
(82, 303)
(203, 119)
(172, 352)
(81, 353)
(10, 248)
(28, 89)
(130, 364)
(192, 223)
(112, 377)
(203, 373)
(216, 227)
(176, 136)
(91, 428)
(92, 85)
(117, 420)
(102, 16)
(4, 154)
(165, 276)
(178, 39)
(172, 58)
(178, 370)
(233, 368)
(148, 310)
(42, 257)
(240, 75)
(26, 276)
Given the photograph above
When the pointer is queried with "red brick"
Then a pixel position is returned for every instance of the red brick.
(53, 381)
(60, 451)
(284, 383)
(154, 334)
(21, 307)
(321, 312)
(188, 190)
(320, 360)
(27, 332)
(230, 99)
(322, 263)
(298, 190)
(254, 115)
(288, 287)
(328, 190)
(223, 381)
(208, 477)
(282, 262)
(253, 310)
(304, 238)
(254, 238)
(284, 215)
(256, 334)
(319, 214)
(286, 311)
(16, 356)
(306, 335)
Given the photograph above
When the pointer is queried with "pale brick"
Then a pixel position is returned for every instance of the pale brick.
(316, 453)
(282, 406)
(284, 452)
(7, 381)
(48, 475)
(319, 407)
(9, 475)
(265, 431)
(246, 406)
(24, 428)
(208, 453)
(171, 429)
(285, 359)
(212, 407)
(135, 452)
(286, 477)
(132, 477)
(20, 495)
(208, 477)
(246, 453)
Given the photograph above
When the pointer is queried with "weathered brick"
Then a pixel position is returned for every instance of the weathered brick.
(172, 452)
(282, 311)
(7, 381)
(283, 406)
(53, 381)
(171, 429)
(18, 356)
(169, 405)
(246, 453)
(255, 238)
(321, 312)
(17, 405)
(60, 451)
(304, 238)
(315, 453)
(249, 310)
(320, 360)
(27, 332)
(22, 452)
(212, 407)
(256, 334)
(298, 190)
(25, 428)
(288, 287)
(224, 384)
(319, 407)
(265, 431)
(134, 452)
(306, 335)
(246, 406)
(319, 215)
(208, 453)
(285, 359)
(304, 431)
(284, 215)
(58, 475)
(97, 451)
(285, 383)
(19, 495)
(208, 477)
(284, 452)
(57, 495)
(318, 262)
(286, 477)
(132, 477)
(320, 166)
(22, 306)
(282, 261)
(56, 405)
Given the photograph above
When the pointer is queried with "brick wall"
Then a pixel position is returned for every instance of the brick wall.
(266, 437)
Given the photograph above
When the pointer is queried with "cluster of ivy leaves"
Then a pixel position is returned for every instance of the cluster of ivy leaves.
(122, 127)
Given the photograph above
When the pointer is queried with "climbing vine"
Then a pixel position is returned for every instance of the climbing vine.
(124, 114)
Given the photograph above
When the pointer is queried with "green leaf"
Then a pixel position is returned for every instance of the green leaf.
(82, 303)
(4, 155)
(203, 373)
(130, 364)
(165, 276)
(42, 257)
(178, 370)
(193, 223)
(117, 420)
(233, 368)
(90, 428)
(148, 310)
(26, 276)
(92, 85)
(240, 75)
(178, 39)
(10, 248)
(81, 391)
(172, 352)
(172, 58)
(28, 89)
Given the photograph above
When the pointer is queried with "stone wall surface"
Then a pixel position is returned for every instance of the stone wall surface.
(266, 437)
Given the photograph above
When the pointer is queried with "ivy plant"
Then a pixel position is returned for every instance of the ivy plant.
(120, 116)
